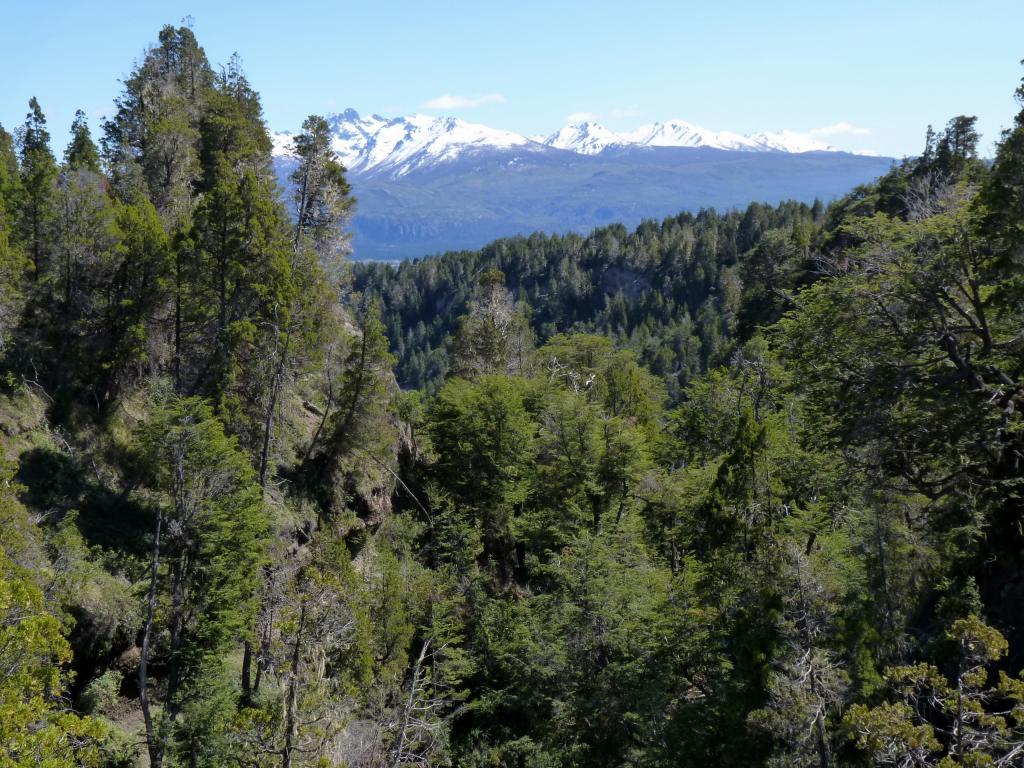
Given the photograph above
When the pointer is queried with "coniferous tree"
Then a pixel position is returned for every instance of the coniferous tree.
(39, 185)
(354, 426)
(207, 546)
(152, 136)
(12, 263)
(322, 197)
(323, 204)
(82, 153)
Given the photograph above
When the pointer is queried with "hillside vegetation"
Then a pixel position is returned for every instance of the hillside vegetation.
(732, 489)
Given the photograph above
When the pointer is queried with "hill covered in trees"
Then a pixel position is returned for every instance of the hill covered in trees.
(737, 489)
(669, 291)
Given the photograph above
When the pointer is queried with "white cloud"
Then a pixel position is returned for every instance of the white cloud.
(448, 101)
(839, 129)
(581, 117)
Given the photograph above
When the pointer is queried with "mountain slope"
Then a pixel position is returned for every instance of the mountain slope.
(429, 184)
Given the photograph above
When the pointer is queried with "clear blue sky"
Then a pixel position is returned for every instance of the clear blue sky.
(885, 69)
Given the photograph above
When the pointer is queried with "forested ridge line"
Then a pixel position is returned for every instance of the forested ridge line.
(732, 489)
(676, 292)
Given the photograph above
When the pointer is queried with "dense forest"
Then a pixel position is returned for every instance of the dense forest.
(671, 292)
(733, 489)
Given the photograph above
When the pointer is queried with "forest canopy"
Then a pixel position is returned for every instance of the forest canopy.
(736, 488)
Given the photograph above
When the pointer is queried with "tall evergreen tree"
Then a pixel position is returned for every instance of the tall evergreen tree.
(39, 184)
(12, 264)
(206, 549)
(154, 132)
(82, 153)
(322, 196)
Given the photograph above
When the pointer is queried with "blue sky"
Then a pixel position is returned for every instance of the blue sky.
(862, 75)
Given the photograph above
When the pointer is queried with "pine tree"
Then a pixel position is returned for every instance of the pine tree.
(1002, 204)
(355, 425)
(207, 546)
(39, 185)
(322, 196)
(153, 135)
(12, 261)
(82, 153)
(323, 205)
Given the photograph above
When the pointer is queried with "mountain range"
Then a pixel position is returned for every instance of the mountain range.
(426, 184)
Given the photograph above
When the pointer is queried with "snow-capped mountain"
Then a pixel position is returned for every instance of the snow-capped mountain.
(591, 138)
(427, 184)
(397, 146)
(584, 138)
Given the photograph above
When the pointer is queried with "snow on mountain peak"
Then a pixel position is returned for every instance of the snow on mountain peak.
(586, 138)
(399, 145)
(591, 138)
(396, 146)
(790, 141)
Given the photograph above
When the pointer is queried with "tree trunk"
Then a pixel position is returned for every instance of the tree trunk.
(414, 685)
(176, 628)
(154, 747)
(247, 674)
(291, 706)
(824, 754)
(177, 324)
(268, 422)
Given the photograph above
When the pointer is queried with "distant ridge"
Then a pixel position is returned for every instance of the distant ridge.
(400, 145)
(427, 184)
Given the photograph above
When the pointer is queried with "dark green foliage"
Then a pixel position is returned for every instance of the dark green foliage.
(669, 291)
(12, 267)
(38, 183)
(323, 204)
(82, 154)
(736, 489)
(208, 543)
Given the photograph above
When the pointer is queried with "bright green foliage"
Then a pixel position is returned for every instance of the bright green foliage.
(948, 722)
(37, 728)
(208, 545)
(355, 432)
(203, 487)
(235, 279)
(908, 360)
(669, 290)
(137, 279)
(754, 501)
(591, 366)
(389, 613)
(483, 437)
(306, 330)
